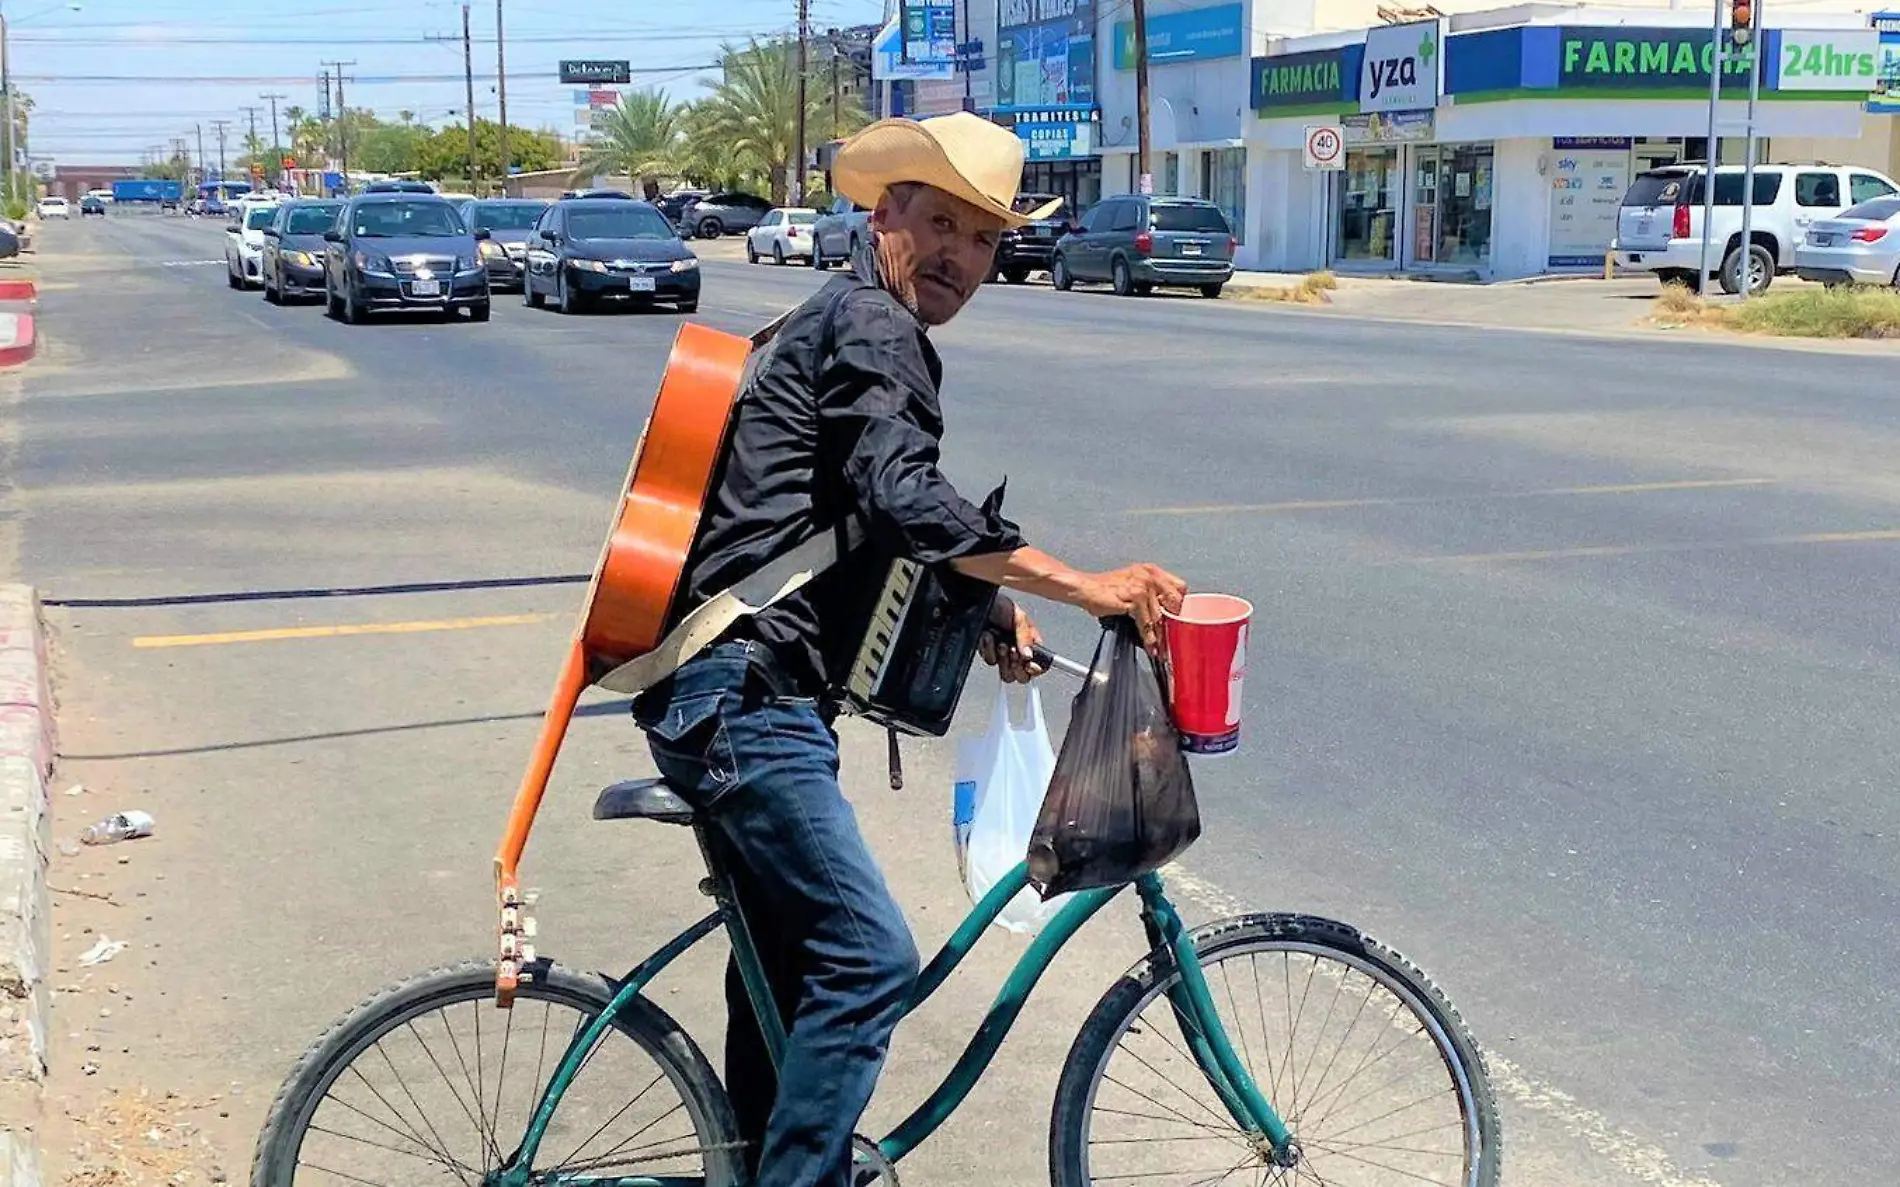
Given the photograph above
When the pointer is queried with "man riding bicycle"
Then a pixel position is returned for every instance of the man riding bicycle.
(843, 418)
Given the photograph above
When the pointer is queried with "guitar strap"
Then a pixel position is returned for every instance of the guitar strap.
(776, 581)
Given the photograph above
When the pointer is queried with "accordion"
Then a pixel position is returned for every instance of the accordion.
(910, 669)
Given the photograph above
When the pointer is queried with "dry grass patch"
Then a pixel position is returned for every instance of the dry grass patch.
(1313, 289)
(1847, 312)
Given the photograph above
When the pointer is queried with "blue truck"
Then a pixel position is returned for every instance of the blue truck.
(160, 191)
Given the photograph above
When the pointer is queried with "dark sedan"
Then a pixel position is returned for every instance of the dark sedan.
(92, 204)
(1022, 250)
(588, 250)
(508, 222)
(292, 261)
(396, 251)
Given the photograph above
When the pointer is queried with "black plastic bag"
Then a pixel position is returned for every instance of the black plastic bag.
(1121, 801)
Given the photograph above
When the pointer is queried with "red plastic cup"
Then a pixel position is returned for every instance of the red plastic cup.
(1207, 660)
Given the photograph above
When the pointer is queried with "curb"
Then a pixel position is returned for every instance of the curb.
(18, 341)
(27, 747)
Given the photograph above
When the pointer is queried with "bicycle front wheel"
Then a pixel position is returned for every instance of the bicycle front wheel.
(427, 1082)
(1370, 1067)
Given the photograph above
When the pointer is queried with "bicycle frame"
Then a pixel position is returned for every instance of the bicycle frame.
(1191, 1000)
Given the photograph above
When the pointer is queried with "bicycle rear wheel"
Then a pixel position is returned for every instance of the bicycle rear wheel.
(427, 1082)
(1370, 1067)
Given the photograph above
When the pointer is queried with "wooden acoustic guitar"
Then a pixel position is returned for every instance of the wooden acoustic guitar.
(636, 581)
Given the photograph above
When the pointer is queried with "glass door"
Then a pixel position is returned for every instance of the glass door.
(1424, 243)
(1368, 205)
(1464, 205)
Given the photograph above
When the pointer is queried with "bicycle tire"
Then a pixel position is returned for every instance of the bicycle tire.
(651, 1028)
(1126, 1000)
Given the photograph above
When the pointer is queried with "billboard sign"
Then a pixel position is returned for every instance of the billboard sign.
(1045, 54)
(596, 70)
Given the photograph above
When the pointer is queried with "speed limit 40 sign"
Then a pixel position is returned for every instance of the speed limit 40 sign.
(1325, 147)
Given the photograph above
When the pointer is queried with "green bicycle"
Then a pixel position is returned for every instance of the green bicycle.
(1265, 1048)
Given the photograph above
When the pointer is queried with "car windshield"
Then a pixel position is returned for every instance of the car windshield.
(1655, 189)
(260, 218)
(1874, 210)
(311, 220)
(1028, 202)
(617, 222)
(384, 220)
(1187, 218)
(508, 216)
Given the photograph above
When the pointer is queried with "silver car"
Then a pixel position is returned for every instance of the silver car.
(1859, 246)
(723, 214)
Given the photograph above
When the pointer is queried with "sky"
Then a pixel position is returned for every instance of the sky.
(117, 77)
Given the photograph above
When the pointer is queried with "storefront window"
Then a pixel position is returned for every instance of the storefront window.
(1227, 177)
(1170, 174)
(1368, 204)
(1466, 177)
(1079, 181)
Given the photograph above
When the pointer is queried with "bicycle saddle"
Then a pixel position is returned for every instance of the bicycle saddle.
(642, 799)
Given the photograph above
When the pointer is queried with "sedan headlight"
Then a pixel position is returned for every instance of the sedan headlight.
(467, 263)
(302, 259)
(690, 263)
(590, 265)
(373, 263)
(492, 250)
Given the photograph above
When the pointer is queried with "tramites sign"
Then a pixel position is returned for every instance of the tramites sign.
(1011, 13)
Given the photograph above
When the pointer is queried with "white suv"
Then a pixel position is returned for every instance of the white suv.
(54, 208)
(1659, 228)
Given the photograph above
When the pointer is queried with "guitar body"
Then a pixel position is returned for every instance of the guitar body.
(637, 579)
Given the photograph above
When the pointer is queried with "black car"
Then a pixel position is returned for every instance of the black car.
(588, 250)
(1022, 250)
(509, 222)
(674, 205)
(92, 204)
(292, 261)
(399, 186)
(405, 252)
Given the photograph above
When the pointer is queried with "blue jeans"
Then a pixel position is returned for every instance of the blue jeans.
(763, 768)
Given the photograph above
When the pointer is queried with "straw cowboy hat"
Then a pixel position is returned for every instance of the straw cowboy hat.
(962, 154)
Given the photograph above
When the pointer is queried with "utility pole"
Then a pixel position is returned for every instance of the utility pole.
(837, 98)
(276, 145)
(1146, 184)
(796, 191)
(13, 127)
(201, 153)
(250, 139)
(1714, 153)
(221, 125)
(468, 78)
(342, 122)
(1747, 35)
(501, 93)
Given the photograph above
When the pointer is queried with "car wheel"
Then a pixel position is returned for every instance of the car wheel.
(689, 306)
(1761, 270)
(778, 254)
(1682, 276)
(351, 314)
(566, 299)
(479, 312)
(529, 297)
(818, 254)
(1016, 275)
(709, 228)
(331, 305)
(272, 294)
(1212, 291)
(1122, 278)
(1059, 275)
(231, 277)
(751, 256)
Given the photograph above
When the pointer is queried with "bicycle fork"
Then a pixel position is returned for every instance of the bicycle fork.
(1199, 1019)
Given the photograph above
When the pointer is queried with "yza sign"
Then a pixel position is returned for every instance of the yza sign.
(1401, 67)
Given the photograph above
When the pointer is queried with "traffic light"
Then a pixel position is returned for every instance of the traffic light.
(1741, 20)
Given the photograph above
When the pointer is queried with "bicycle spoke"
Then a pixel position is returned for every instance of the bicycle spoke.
(1184, 1118)
(339, 1174)
(1368, 1061)
(1176, 1120)
(534, 1089)
(1339, 986)
(1381, 1117)
(449, 1163)
(1266, 1034)
(439, 1154)
(449, 1083)
(1382, 1166)
(618, 1114)
(1163, 1076)
(501, 1080)
(1293, 1089)
(1402, 1137)
(1363, 1097)
(440, 1146)
(638, 1154)
(1245, 1050)
(1351, 1027)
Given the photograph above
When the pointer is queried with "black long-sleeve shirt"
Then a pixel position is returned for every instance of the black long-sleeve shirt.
(841, 417)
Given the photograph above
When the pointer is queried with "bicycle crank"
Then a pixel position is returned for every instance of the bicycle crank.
(869, 1167)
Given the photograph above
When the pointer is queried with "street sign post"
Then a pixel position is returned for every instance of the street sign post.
(1325, 148)
(596, 70)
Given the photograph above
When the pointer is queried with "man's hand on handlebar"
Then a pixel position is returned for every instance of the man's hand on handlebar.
(1011, 646)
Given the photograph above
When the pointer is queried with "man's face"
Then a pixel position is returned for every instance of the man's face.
(950, 245)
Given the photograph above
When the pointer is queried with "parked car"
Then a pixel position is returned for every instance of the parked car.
(1862, 246)
(1020, 251)
(399, 185)
(92, 204)
(674, 205)
(244, 242)
(588, 250)
(593, 249)
(1140, 242)
(508, 221)
(402, 251)
(1659, 228)
(784, 233)
(839, 232)
(292, 260)
(622, 194)
(723, 214)
(54, 208)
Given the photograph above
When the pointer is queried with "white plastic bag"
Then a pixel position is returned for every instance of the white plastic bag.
(1002, 777)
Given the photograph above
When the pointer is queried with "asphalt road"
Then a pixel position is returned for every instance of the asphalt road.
(1575, 675)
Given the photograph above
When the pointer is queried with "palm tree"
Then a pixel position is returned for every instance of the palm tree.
(752, 113)
(641, 138)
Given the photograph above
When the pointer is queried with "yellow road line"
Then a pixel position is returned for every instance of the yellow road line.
(1554, 554)
(339, 631)
(1627, 488)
